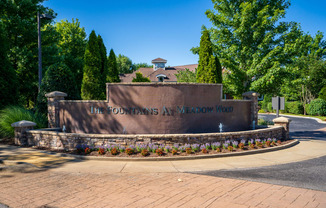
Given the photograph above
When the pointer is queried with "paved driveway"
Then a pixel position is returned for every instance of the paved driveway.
(309, 174)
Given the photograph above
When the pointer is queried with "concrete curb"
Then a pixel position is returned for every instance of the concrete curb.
(122, 159)
(317, 119)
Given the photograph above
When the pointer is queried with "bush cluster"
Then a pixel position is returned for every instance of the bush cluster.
(317, 107)
(295, 107)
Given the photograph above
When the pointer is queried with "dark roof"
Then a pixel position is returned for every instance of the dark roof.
(159, 60)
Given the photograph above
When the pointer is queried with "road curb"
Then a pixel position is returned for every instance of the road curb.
(221, 155)
(317, 119)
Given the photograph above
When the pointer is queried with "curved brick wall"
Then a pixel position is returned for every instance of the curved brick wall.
(160, 108)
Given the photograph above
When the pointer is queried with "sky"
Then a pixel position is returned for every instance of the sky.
(147, 29)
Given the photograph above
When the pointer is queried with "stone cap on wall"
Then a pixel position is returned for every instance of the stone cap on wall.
(23, 123)
(281, 120)
(55, 94)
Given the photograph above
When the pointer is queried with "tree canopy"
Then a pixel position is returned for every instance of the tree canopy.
(140, 78)
(252, 42)
(72, 44)
(186, 76)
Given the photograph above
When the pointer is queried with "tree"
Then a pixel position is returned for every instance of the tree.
(58, 77)
(252, 43)
(306, 74)
(140, 78)
(20, 23)
(72, 44)
(124, 64)
(104, 64)
(113, 75)
(209, 68)
(92, 88)
(135, 67)
(186, 76)
(205, 53)
(8, 78)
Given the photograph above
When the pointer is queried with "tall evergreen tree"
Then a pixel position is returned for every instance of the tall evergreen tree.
(8, 78)
(209, 68)
(92, 88)
(205, 53)
(72, 43)
(104, 62)
(113, 75)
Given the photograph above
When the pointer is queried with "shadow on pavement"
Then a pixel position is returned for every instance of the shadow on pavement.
(17, 159)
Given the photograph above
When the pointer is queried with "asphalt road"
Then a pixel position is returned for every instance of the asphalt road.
(310, 174)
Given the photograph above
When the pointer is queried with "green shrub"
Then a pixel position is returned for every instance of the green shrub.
(12, 114)
(317, 107)
(263, 122)
(269, 107)
(295, 107)
(322, 93)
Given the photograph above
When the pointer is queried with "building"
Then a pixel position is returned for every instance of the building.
(159, 72)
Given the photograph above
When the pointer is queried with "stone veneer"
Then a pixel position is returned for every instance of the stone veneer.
(52, 138)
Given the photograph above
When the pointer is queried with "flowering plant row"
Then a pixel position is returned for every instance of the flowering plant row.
(161, 149)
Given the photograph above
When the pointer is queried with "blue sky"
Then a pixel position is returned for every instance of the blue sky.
(147, 29)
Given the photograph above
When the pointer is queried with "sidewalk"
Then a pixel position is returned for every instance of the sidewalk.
(305, 150)
(93, 183)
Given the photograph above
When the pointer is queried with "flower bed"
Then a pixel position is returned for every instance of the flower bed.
(161, 150)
